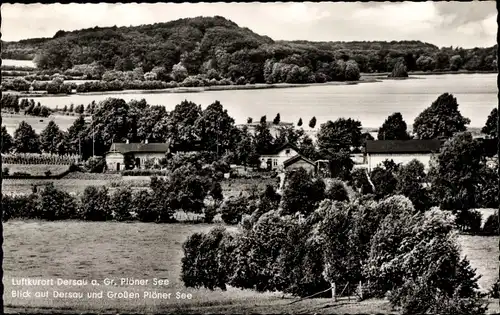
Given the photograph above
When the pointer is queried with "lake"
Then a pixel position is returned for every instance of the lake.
(370, 103)
(19, 63)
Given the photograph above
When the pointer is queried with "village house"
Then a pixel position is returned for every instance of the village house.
(139, 153)
(401, 151)
(274, 129)
(275, 159)
(298, 161)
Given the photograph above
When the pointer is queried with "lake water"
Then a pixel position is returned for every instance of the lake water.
(370, 103)
(19, 63)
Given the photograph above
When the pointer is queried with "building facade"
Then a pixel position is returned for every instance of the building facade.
(298, 161)
(137, 154)
(401, 151)
(274, 160)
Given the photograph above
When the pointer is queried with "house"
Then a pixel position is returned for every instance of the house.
(401, 151)
(274, 129)
(275, 159)
(139, 153)
(298, 161)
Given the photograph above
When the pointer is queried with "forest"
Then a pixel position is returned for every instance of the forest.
(218, 48)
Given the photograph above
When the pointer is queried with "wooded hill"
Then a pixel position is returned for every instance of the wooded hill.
(202, 44)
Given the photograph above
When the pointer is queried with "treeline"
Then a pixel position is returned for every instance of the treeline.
(215, 44)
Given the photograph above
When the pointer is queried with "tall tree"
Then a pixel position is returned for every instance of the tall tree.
(181, 123)
(442, 118)
(249, 120)
(490, 128)
(52, 139)
(152, 124)
(7, 141)
(25, 139)
(300, 122)
(337, 136)
(264, 141)
(410, 178)
(216, 128)
(307, 148)
(456, 176)
(277, 119)
(394, 128)
(76, 136)
(312, 122)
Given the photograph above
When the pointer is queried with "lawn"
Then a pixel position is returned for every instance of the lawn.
(99, 250)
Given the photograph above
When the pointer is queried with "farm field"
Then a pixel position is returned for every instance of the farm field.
(99, 250)
(35, 169)
(76, 183)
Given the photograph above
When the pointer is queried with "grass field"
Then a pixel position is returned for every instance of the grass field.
(94, 250)
(11, 121)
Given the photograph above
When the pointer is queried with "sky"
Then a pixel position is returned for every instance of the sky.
(463, 24)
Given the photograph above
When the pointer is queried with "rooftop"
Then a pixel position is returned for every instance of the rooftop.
(403, 146)
(124, 148)
(295, 158)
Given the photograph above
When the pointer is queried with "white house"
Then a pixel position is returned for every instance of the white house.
(298, 161)
(401, 151)
(137, 152)
(274, 160)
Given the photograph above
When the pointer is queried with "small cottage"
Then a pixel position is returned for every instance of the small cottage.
(139, 153)
(274, 160)
(298, 161)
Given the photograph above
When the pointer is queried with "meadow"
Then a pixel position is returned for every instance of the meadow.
(100, 250)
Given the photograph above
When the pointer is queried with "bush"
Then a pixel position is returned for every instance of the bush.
(206, 259)
(5, 171)
(121, 203)
(55, 204)
(144, 207)
(337, 191)
(19, 207)
(490, 226)
(469, 221)
(210, 213)
(233, 209)
(95, 204)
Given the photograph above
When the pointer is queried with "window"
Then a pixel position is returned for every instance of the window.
(275, 162)
(287, 151)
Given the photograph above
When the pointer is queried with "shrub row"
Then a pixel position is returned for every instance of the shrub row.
(96, 204)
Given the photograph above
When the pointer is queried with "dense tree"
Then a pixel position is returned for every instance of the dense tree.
(399, 70)
(25, 139)
(490, 128)
(121, 204)
(442, 118)
(264, 141)
(55, 204)
(7, 141)
(76, 135)
(52, 139)
(384, 180)
(216, 128)
(307, 148)
(393, 128)
(337, 136)
(410, 183)
(151, 124)
(455, 62)
(456, 176)
(245, 150)
(302, 193)
(312, 122)
(181, 124)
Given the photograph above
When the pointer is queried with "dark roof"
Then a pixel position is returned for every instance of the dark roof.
(403, 146)
(283, 147)
(295, 158)
(124, 148)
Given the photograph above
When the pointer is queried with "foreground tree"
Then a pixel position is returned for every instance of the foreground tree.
(441, 119)
(394, 128)
(490, 128)
(302, 193)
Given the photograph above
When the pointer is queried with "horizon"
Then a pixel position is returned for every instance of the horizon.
(443, 24)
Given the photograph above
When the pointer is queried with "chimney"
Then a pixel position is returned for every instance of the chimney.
(146, 141)
(126, 141)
